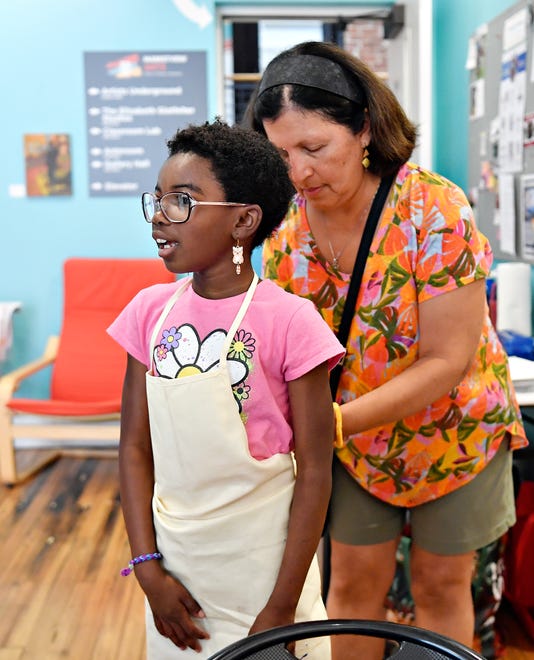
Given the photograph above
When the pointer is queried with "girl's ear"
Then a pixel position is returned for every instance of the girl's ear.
(248, 222)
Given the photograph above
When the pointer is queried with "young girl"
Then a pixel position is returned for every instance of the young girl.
(226, 384)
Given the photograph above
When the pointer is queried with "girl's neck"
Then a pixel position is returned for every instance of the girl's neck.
(217, 289)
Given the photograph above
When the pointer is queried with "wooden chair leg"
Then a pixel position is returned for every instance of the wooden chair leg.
(10, 474)
(8, 464)
(46, 457)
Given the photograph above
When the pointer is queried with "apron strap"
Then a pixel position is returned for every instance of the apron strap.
(239, 317)
(162, 318)
(231, 332)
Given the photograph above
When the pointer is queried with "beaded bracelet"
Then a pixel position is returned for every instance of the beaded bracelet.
(339, 442)
(139, 560)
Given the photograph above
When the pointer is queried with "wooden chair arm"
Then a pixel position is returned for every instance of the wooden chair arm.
(10, 382)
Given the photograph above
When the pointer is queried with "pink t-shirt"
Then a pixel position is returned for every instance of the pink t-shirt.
(281, 338)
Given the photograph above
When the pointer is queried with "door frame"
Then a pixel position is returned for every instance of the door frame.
(412, 47)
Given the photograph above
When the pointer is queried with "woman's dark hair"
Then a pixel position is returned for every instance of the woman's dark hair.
(248, 167)
(393, 135)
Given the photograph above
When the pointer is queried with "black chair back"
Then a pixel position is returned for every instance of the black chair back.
(412, 643)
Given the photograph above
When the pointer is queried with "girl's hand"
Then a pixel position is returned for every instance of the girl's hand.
(272, 617)
(174, 609)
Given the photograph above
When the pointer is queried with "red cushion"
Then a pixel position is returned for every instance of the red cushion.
(90, 365)
(88, 372)
(62, 408)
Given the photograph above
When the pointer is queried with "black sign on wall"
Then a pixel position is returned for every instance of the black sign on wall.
(135, 102)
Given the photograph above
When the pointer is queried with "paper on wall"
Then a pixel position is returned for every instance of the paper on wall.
(514, 298)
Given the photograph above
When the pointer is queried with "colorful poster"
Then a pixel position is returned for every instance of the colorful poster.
(135, 102)
(48, 164)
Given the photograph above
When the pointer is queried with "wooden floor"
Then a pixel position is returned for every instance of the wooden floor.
(62, 545)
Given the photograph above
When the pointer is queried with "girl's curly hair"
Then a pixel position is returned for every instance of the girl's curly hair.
(247, 166)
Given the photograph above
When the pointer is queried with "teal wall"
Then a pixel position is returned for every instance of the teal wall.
(43, 92)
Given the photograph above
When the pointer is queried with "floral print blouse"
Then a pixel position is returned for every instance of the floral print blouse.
(426, 244)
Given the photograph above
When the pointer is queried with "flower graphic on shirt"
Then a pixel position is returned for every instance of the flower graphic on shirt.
(243, 346)
(241, 391)
(182, 353)
(161, 352)
(171, 337)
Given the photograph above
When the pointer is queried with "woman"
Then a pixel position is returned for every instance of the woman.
(428, 413)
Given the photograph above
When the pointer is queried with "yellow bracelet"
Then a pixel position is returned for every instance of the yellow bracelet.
(339, 441)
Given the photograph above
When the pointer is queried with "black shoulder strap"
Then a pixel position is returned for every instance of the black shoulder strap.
(357, 273)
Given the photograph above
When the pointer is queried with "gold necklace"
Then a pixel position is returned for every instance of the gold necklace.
(363, 216)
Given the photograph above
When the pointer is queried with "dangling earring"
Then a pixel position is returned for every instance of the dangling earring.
(237, 257)
(365, 158)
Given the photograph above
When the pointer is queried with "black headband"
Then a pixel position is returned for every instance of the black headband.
(311, 71)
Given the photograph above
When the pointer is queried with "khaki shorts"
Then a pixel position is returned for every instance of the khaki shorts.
(466, 519)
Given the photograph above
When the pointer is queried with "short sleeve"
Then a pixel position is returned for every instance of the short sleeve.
(310, 342)
(131, 329)
(452, 252)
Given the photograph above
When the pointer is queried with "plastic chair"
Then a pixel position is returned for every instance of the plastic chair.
(87, 365)
(412, 643)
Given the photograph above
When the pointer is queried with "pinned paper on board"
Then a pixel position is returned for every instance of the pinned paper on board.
(514, 297)
(476, 64)
(507, 233)
(526, 217)
(512, 92)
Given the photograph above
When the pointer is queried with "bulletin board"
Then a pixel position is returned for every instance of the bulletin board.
(501, 131)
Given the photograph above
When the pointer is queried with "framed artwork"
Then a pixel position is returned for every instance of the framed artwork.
(47, 160)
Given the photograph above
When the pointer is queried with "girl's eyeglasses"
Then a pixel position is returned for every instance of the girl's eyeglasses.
(175, 206)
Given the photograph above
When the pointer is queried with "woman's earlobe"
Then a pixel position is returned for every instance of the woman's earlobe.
(367, 128)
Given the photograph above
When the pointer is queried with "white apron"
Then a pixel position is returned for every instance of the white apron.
(220, 515)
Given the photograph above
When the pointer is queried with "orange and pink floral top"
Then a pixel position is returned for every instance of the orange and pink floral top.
(425, 245)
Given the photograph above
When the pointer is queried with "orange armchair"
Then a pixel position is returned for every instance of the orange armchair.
(87, 365)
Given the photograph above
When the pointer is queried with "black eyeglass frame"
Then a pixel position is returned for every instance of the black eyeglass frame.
(192, 202)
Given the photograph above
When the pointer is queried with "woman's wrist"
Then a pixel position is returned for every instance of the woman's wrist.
(339, 441)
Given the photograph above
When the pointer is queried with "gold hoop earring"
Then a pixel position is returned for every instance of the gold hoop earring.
(365, 158)
(237, 257)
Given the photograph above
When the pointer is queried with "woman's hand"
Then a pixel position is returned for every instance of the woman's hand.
(450, 328)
